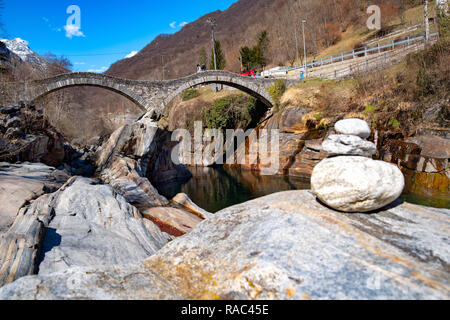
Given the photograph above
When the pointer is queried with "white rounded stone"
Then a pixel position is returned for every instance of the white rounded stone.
(354, 127)
(356, 184)
(338, 144)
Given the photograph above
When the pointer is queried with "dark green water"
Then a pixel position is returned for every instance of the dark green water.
(214, 189)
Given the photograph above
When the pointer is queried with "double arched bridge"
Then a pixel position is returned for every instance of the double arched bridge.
(148, 95)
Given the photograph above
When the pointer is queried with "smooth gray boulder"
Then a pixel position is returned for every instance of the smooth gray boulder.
(356, 184)
(348, 145)
(94, 226)
(354, 127)
(21, 183)
(283, 246)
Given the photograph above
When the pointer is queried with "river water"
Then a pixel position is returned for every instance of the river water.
(214, 189)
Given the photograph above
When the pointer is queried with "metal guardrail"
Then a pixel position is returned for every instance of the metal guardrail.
(367, 51)
(380, 62)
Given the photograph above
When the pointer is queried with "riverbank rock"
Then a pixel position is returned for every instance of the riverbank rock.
(21, 183)
(94, 226)
(28, 136)
(353, 127)
(173, 221)
(348, 145)
(134, 157)
(432, 146)
(283, 246)
(82, 224)
(127, 177)
(183, 200)
(356, 184)
(424, 161)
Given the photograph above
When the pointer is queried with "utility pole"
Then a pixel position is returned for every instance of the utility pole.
(163, 67)
(212, 23)
(304, 47)
(296, 47)
(427, 24)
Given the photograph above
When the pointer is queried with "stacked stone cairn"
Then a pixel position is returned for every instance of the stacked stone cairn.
(350, 180)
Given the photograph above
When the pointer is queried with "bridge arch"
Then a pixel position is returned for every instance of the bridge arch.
(147, 95)
(255, 88)
(42, 88)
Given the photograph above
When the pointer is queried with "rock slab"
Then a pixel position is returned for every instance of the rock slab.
(348, 145)
(82, 224)
(94, 226)
(21, 183)
(283, 246)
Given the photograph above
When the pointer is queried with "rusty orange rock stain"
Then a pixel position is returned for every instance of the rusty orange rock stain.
(290, 292)
(430, 282)
(306, 296)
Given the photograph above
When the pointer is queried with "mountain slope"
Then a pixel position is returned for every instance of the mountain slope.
(239, 26)
(22, 50)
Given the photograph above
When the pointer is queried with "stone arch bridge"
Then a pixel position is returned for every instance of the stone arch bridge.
(148, 95)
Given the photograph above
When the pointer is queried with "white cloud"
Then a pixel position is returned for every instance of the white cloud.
(73, 31)
(131, 54)
(48, 23)
(79, 63)
(173, 25)
(182, 24)
(101, 70)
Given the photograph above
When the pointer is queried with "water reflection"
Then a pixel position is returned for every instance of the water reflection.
(217, 188)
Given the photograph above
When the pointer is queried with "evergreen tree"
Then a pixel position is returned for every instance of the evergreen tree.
(220, 58)
(255, 56)
(203, 58)
(261, 49)
(247, 56)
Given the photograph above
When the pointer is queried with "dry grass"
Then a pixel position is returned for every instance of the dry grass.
(401, 99)
(349, 40)
(354, 35)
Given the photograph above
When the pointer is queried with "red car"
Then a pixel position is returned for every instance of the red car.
(248, 73)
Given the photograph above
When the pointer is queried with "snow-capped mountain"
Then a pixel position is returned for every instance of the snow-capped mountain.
(22, 50)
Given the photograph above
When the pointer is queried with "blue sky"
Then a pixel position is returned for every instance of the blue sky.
(109, 30)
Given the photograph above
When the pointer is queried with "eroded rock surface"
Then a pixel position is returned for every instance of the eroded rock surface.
(133, 154)
(21, 183)
(85, 224)
(283, 246)
(94, 226)
(173, 221)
